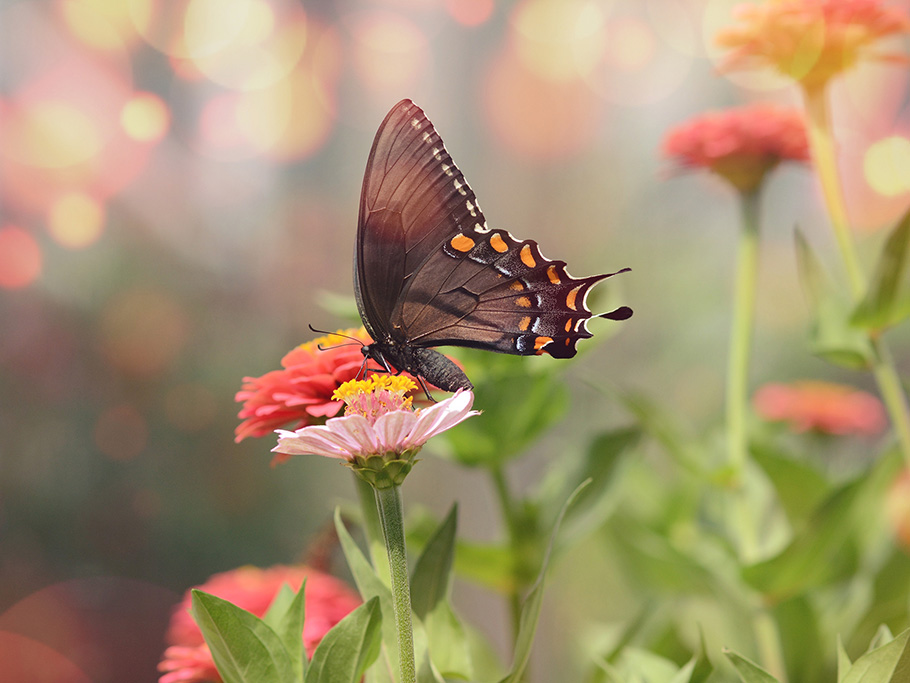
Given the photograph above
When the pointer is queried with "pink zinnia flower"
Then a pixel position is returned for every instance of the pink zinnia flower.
(328, 601)
(741, 145)
(822, 407)
(379, 422)
(301, 392)
(811, 40)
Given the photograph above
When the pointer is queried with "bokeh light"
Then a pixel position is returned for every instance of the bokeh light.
(887, 165)
(100, 24)
(142, 331)
(51, 134)
(145, 117)
(76, 220)
(20, 258)
(190, 407)
(121, 432)
(470, 12)
(389, 51)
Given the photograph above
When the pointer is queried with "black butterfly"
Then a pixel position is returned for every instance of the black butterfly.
(429, 272)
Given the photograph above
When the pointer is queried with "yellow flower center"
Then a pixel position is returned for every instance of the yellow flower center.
(378, 395)
(336, 338)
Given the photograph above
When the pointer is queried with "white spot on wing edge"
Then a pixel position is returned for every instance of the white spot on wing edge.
(482, 229)
(470, 208)
(458, 186)
(447, 170)
(426, 137)
(416, 124)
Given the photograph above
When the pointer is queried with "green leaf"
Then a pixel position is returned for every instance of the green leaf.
(799, 486)
(369, 586)
(346, 651)
(889, 663)
(431, 579)
(447, 642)
(831, 335)
(244, 648)
(887, 301)
(286, 616)
(843, 661)
(518, 405)
(820, 552)
(598, 500)
(749, 671)
(804, 648)
(530, 611)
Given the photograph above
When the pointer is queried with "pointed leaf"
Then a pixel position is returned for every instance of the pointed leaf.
(749, 671)
(431, 580)
(369, 585)
(346, 651)
(286, 616)
(889, 663)
(831, 336)
(887, 301)
(448, 643)
(244, 648)
(530, 611)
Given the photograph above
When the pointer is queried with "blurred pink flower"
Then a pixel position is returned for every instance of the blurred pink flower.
(810, 40)
(378, 420)
(822, 407)
(302, 391)
(741, 145)
(328, 601)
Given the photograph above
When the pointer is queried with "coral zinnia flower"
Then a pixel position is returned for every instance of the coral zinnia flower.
(810, 40)
(741, 145)
(379, 423)
(822, 407)
(328, 601)
(302, 391)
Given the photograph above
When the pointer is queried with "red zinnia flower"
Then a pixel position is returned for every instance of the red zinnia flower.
(822, 407)
(811, 40)
(328, 601)
(741, 145)
(302, 391)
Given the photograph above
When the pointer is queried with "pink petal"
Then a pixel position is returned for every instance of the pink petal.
(442, 416)
(393, 428)
(316, 440)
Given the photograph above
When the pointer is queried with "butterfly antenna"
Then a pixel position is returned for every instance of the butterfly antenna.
(354, 340)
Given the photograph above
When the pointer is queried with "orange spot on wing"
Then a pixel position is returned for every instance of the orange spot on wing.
(553, 275)
(517, 286)
(498, 243)
(568, 325)
(462, 243)
(523, 301)
(540, 342)
(570, 298)
(524, 323)
(527, 257)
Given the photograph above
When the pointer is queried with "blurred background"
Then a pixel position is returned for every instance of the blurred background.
(179, 184)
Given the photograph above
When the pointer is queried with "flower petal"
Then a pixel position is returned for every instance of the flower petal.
(393, 428)
(441, 416)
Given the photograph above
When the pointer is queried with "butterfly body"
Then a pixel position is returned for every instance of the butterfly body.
(430, 272)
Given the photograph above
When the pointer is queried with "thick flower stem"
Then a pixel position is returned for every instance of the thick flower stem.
(390, 514)
(824, 155)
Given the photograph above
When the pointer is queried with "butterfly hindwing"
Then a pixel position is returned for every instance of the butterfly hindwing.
(430, 272)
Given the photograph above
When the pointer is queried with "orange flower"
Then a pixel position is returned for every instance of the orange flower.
(302, 391)
(822, 407)
(741, 145)
(810, 40)
(188, 659)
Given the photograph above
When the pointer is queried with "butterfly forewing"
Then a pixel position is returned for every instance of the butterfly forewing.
(429, 272)
(413, 197)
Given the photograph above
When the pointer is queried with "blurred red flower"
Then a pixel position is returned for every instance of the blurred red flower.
(810, 40)
(302, 391)
(822, 407)
(328, 601)
(741, 145)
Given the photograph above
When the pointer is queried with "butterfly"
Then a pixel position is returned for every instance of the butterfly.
(429, 271)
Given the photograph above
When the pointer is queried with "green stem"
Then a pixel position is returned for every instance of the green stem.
(741, 335)
(824, 155)
(388, 501)
(512, 529)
